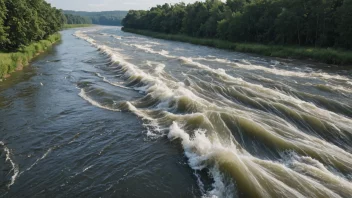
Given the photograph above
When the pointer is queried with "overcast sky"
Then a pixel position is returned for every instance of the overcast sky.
(103, 5)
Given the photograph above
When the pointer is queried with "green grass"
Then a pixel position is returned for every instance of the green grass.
(10, 61)
(68, 26)
(325, 55)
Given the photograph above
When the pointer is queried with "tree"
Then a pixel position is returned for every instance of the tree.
(101, 18)
(23, 22)
(345, 25)
(3, 29)
(324, 23)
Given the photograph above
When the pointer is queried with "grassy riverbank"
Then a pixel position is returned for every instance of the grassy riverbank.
(9, 62)
(68, 26)
(325, 55)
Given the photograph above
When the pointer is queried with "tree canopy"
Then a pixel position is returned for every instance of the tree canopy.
(323, 23)
(23, 22)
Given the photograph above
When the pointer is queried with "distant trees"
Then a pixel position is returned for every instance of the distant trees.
(75, 19)
(100, 18)
(23, 22)
(324, 23)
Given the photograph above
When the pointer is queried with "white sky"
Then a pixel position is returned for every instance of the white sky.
(106, 5)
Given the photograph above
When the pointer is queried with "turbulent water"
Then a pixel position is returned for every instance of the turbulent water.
(160, 118)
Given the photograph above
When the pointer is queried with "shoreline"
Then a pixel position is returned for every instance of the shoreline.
(322, 55)
(15, 61)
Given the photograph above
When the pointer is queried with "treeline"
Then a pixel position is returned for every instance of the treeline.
(323, 23)
(23, 22)
(100, 18)
(75, 19)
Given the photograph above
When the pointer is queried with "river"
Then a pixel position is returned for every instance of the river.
(112, 114)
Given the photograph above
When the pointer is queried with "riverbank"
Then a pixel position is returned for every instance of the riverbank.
(325, 55)
(68, 26)
(10, 62)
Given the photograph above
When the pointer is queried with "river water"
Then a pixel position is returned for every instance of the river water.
(112, 114)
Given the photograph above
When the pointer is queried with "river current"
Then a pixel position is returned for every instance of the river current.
(112, 114)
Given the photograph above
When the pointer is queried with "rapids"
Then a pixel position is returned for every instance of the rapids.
(248, 126)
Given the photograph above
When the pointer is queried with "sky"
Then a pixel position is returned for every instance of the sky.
(104, 5)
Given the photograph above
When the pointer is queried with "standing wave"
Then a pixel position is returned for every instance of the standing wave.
(220, 138)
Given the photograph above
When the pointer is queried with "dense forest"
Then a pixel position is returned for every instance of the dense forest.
(322, 23)
(23, 22)
(75, 19)
(100, 18)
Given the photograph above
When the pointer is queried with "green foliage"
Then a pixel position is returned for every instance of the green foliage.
(75, 19)
(328, 55)
(316, 23)
(3, 29)
(101, 18)
(24, 22)
(10, 61)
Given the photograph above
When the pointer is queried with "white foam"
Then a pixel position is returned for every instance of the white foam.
(93, 102)
(338, 88)
(15, 167)
(116, 84)
(39, 159)
(153, 43)
(87, 168)
(219, 71)
(276, 71)
(158, 67)
(117, 37)
(148, 49)
(199, 150)
(268, 93)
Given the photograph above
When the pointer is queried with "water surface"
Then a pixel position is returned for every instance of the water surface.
(114, 114)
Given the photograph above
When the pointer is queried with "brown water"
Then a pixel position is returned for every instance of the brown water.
(114, 114)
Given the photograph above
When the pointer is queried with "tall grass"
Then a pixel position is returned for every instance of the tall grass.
(325, 55)
(68, 26)
(9, 62)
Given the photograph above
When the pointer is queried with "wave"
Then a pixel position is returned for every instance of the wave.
(116, 84)
(333, 88)
(116, 37)
(249, 66)
(277, 96)
(276, 71)
(215, 134)
(148, 49)
(199, 150)
(158, 67)
(256, 177)
(83, 95)
(14, 166)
